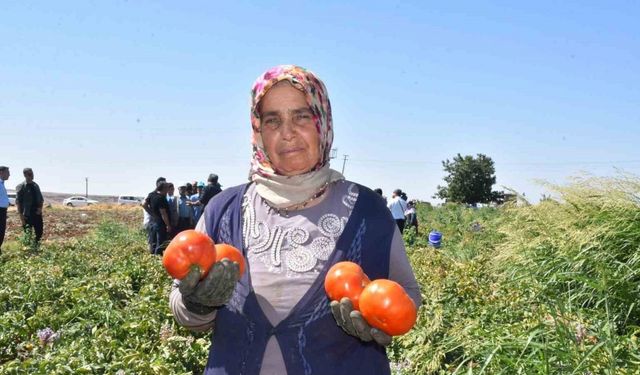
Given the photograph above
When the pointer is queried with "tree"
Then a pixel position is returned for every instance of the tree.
(469, 180)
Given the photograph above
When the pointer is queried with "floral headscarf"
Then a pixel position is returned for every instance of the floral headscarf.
(317, 99)
(288, 190)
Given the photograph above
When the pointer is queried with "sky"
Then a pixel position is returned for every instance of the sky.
(121, 92)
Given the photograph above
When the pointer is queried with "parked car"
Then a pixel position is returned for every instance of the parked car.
(12, 199)
(78, 201)
(129, 199)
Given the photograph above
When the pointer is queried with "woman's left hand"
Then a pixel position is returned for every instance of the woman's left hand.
(352, 322)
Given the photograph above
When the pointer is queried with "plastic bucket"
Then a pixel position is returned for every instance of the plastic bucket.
(435, 238)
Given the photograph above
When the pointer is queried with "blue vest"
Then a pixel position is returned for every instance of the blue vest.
(310, 340)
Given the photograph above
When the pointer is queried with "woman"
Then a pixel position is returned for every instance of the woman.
(293, 221)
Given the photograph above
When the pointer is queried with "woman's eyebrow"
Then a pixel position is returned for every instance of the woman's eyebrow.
(270, 113)
(301, 110)
(277, 113)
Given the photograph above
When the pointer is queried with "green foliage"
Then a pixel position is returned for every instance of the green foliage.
(542, 289)
(551, 288)
(105, 296)
(27, 240)
(469, 180)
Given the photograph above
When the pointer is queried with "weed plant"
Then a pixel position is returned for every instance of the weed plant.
(550, 288)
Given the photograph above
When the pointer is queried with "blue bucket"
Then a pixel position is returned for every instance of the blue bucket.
(435, 238)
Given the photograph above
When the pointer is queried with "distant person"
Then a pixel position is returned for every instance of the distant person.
(397, 206)
(173, 210)
(411, 217)
(185, 211)
(29, 202)
(4, 203)
(379, 191)
(193, 195)
(147, 217)
(160, 225)
(195, 202)
(211, 190)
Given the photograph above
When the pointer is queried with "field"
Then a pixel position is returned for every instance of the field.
(551, 288)
(63, 223)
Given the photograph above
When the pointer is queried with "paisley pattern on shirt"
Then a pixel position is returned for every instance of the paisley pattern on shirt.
(296, 249)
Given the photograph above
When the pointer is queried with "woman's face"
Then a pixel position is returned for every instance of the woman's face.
(288, 129)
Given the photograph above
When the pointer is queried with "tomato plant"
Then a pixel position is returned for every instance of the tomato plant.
(345, 279)
(224, 250)
(187, 249)
(385, 305)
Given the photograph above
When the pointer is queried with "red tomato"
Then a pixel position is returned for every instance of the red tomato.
(224, 250)
(187, 249)
(345, 279)
(384, 304)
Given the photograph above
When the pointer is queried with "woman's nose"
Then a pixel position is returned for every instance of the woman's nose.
(287, 129)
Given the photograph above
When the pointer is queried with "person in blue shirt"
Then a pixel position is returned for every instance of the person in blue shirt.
(185, 211)
(195, 202)
(4, 203)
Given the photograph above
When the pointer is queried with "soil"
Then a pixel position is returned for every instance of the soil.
(62, 223)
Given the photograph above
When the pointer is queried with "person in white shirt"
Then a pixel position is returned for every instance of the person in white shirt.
(173, 210)
(411, 217)
(397, 206)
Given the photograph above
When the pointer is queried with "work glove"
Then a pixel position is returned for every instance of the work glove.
(353, 323)
(204, 296)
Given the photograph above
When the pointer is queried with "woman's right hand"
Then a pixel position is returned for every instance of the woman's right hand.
(352, 322)
(204, 296)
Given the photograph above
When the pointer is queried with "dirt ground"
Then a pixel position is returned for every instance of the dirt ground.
(67, 222)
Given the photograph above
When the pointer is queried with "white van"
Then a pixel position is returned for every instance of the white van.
(129, 199)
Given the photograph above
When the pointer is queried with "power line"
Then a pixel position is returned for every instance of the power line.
(593, 162)
(575, 162)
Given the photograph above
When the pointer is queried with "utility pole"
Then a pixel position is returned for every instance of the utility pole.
(86, 187)
(344, 161)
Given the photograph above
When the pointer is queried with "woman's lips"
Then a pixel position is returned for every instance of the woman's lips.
(291, 150)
